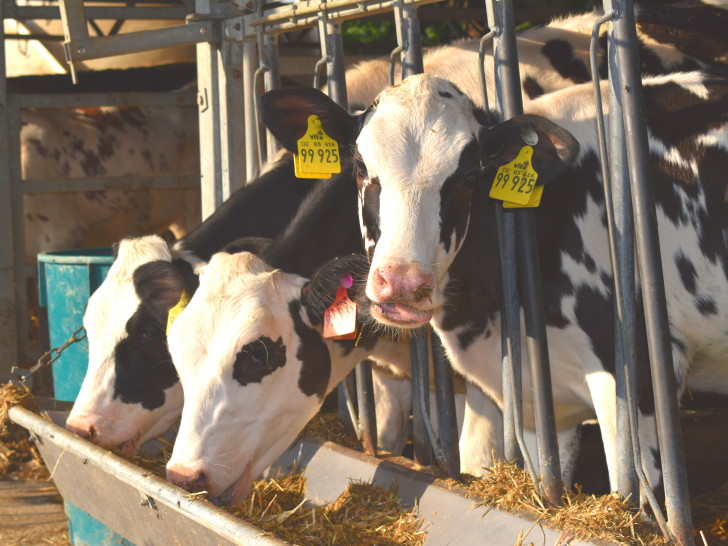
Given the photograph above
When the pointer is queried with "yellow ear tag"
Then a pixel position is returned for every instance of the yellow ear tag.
(318, 153)
(515, 181)
(184, 299)
(533, 202)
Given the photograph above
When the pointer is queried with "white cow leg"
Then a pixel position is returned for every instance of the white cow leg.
(393, 405)
(603, 392)
(481, 438)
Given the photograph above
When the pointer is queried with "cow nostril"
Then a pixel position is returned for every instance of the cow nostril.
(197, 482)
(422, 292)
(92, 432)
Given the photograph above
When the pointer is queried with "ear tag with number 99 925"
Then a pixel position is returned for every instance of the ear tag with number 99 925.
(516, 180)
(318, 153)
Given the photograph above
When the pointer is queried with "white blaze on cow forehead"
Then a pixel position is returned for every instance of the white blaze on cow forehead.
(414, 136)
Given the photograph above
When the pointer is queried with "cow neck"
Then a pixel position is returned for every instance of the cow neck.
(325, 226)
(261, 208)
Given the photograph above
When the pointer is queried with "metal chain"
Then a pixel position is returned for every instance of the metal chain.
(46, 359)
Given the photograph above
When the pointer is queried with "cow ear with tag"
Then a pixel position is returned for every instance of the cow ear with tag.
(319, 293)
(554, 149)
(286, 111)
(160, 287)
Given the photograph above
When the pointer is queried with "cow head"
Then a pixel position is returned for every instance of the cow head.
(131, 391)
(422, 155)
(254, 368)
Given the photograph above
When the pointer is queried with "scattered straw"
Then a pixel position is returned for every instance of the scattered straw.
(19, 458)
(327, 426)
(363, 514)
(710, 516)
(589, 517)
(10, 396)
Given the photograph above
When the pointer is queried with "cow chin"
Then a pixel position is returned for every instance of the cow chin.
(400, 315)
(239, 489)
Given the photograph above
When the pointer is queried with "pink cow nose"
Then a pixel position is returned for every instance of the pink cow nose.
(85, 429)
(189, 479)
(407, 282)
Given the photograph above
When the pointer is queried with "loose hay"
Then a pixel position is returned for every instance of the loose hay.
(587, 517)
(363, 514)
(19, 458)
(327, 426)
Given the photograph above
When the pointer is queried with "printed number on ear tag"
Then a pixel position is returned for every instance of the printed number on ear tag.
(515, 181)
(340, 318)
(184, 299)
(318, 153)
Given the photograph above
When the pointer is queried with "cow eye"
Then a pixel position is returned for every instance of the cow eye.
(470, 179)
(149, 333)
(258, 359)
(361, 169)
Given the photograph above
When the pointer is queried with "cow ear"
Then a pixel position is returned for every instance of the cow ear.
(159, 285)
(554, 148)
(319, 293)
(285, 112)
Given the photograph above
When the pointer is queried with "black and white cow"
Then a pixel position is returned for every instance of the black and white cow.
(425, 167)
(131, 391)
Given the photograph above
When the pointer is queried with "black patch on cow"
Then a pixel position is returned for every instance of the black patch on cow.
(258, 359)
(313, 354)
(532, 88)
(263, 207)
(369, 195)
(142, 363)
(590, 264)
(562, 58)
(456, 196)
(688, 275)
(706, 305)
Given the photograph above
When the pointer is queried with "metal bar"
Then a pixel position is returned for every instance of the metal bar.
(618, 207)
(9, 340)
(73, 20)
(79, 100)
(83, 49)
(447, 424)
(506, 58)
(651, 277)
(249, 110)
(408, 37)
(168, 13)
(420, 382)
(367, 417)
(272, 80)
(132, 182)
(229, 529)
(304, 14)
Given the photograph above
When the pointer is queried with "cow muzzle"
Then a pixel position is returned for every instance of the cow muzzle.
(401, 295)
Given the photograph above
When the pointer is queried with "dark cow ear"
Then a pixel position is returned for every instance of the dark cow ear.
(285, 112)
(318, 294)
(159, 285)
(554, 148)
(254, 245)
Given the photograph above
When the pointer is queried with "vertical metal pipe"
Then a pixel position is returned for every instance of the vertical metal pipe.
(408, 39)
(73, 20)
(506, 61)
(651, 278)
(447, 423)
(272, 80)
(250, 62)
(367, 417)
(624, 276)
(9, 340)
(420, 382)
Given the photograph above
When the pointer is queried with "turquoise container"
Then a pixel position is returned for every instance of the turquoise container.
(66, 279)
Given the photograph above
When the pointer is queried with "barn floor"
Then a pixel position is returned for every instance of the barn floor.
(31, 512)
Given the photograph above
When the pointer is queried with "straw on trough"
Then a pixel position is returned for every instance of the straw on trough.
(509, 487)
(363, 514)
(19, 458)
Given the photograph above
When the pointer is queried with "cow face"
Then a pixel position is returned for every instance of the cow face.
(131, 391)
(422, 157)
(253, 371)
(255, 368)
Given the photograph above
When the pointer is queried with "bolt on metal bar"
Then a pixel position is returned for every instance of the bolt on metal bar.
(651, 278)
(509, 93)
(621, 246)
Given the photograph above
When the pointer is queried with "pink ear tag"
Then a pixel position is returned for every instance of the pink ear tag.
(340, 318)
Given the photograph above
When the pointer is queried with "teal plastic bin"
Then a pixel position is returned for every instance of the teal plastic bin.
(66, 279)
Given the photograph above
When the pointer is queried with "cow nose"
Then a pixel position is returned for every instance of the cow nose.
(192, 480)
(84, 429)
(407, 282)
